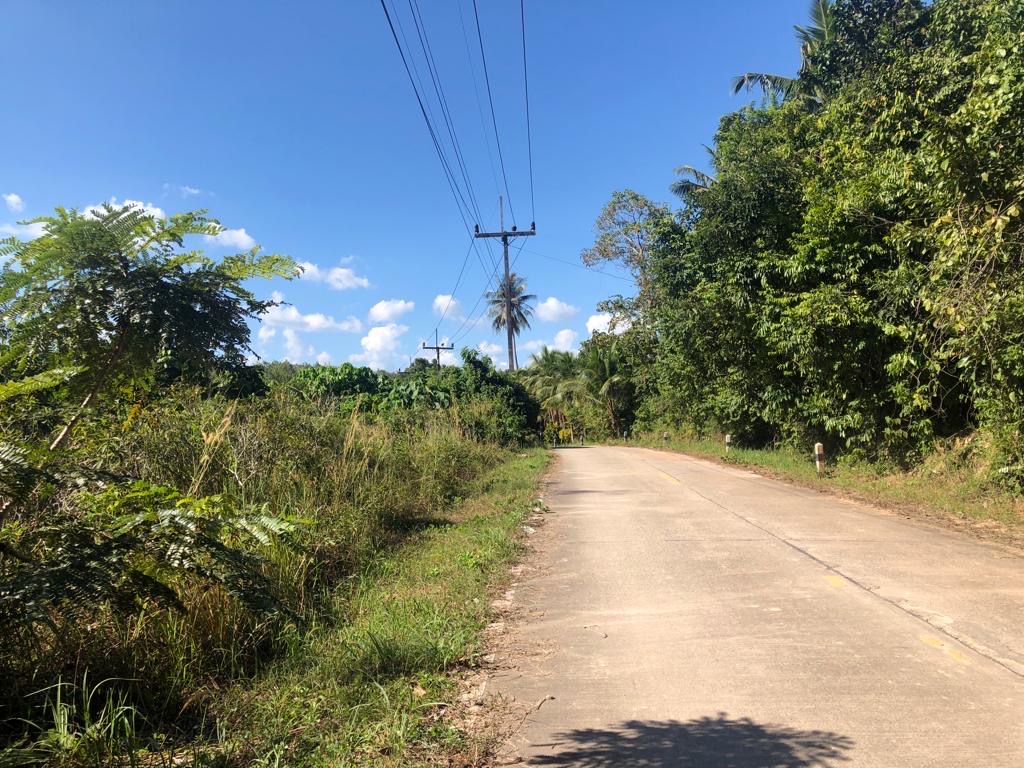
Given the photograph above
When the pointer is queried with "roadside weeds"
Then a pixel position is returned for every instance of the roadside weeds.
(389, 687)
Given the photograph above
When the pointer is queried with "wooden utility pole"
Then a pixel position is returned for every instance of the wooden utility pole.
(438, 348)
(506, 288)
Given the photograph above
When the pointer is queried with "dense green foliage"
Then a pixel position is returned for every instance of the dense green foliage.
(590, 393)
(173, 519)
(485, 404)
(852, 271)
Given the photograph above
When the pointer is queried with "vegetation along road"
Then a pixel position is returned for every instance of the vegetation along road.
(682, 613)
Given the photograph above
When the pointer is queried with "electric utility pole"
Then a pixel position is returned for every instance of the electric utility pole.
(506, 287)
(438, 348)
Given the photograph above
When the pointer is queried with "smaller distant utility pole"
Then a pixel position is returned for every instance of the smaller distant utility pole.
(438, 348)
(505, 285)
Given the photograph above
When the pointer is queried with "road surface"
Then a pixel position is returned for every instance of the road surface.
(681, 613)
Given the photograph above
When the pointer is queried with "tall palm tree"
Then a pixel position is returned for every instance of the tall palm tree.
(519, 301)
(811, 37)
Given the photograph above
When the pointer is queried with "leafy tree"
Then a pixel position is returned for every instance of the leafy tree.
(111, 298)
(852, 273)
(865, 36)
(626, 230)
(116, 295)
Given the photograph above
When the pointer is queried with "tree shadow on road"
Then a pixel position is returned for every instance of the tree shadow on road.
(706, 742)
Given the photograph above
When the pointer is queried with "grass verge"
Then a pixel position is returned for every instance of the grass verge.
(373, 689)
(945, 487)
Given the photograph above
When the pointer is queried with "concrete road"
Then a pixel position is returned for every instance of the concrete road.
(682, 613)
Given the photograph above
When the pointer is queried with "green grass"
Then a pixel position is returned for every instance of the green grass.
(400, 520)
(952, 484)
(371, 690)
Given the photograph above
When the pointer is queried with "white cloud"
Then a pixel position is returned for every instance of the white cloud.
(380, 346)
(389, 310)
(339, 278)
(324, 358)
(287, 316)
(232, 238)
(294, 348)
(266, 332)
(490, 349)
(564, 341)
(184, 190)
(553, 310)
(601, 323)
(598, 323)
(93, 211)
(23, 231)
(14, 202)
(445, 301)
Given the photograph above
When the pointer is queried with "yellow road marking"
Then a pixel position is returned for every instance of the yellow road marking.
(953, 653)
(836, 581)
(668, 477)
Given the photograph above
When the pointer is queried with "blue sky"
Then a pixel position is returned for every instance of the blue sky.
(295, 125)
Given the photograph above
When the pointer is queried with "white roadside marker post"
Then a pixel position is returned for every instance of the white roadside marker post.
(819, 458)
(728, 443)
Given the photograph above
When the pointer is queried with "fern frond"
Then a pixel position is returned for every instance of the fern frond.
(37, 382)
(135, 543)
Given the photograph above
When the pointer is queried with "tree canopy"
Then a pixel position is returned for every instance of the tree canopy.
(850, 268)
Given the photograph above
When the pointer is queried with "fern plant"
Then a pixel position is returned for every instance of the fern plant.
(130, 545)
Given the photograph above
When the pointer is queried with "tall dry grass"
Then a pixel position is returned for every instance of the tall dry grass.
(353, 486)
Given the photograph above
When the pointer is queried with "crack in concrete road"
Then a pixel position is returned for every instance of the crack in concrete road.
(964, 640)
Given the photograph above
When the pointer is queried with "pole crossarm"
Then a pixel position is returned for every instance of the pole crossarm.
(509, 234)
(437, 349)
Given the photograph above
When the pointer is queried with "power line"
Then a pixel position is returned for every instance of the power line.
(459, 333)
(428, 54)
(580, 266)
(456, 192)
(460, 200)
(490, 99)
(451, 296)
(472, 323)
(469, 320)
(526, 88)
(471, 65)
(463, 194)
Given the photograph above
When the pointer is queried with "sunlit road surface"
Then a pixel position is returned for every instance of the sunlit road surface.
(681, 613)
